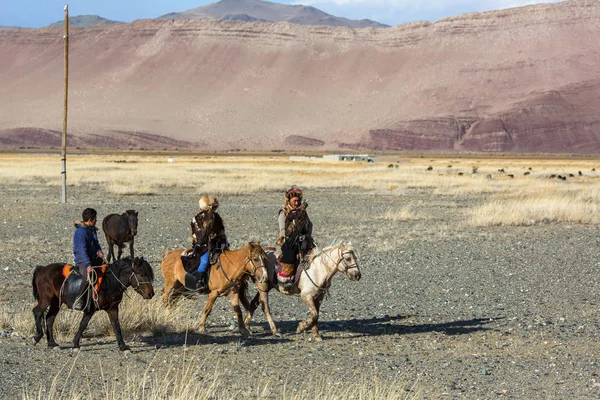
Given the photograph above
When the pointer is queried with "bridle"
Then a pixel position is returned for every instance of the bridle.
(248, 260)
(342, 260)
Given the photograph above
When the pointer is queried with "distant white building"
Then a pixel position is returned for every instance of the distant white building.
(349, 157)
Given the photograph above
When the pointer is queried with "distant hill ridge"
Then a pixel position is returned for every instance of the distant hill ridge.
(258, 10)
(83, 21)
(518, 80)
(246, 11)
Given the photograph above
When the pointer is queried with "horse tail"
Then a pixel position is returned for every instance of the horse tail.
(243, 291)
(36, 295)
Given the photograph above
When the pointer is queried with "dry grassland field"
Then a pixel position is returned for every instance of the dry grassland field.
(476, 283)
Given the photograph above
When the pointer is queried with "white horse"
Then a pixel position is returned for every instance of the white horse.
(312, 285)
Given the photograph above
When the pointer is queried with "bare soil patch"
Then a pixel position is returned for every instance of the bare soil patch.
(465, 312)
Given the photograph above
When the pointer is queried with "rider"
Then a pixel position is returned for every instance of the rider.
(208, 236)
(86, 249)
(295, 233)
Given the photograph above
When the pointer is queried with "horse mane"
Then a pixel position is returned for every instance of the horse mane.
(126, 262)
(318, 252)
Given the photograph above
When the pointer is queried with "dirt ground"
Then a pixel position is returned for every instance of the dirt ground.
(460, 312)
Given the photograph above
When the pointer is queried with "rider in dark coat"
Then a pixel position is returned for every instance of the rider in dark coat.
(86, 248)
(295, 233)
(209, 238)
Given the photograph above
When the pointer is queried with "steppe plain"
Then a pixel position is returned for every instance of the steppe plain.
(475, 284)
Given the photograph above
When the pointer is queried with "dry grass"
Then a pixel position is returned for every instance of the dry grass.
(529, 195)
(141, 316)
(185, 379)
(405, 214)
(528, 209)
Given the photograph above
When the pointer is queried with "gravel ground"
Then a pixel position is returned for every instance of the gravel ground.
(463, 312)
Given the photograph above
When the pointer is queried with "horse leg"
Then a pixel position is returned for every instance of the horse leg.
(264, 300)
(131, 248)
(314, 314)
(50, 316)
(85, 320)
(111, 251)
(315, 329)
(113, 315)
(120, 252)
(38, 314)
(210, 301)
(249, 309)
(234, 298)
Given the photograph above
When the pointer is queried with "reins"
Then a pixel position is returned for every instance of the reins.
(346, 268)
(248, 260)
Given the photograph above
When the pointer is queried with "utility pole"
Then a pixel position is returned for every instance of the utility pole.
(66, 97)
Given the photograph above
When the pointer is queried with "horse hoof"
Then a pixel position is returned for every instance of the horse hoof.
(245, 332)
(317, 338)
(278, 334)
(35, 340)
(76, 349)
(126, 350)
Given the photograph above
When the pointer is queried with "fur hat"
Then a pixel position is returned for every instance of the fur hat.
(207, 203)
(293, 192)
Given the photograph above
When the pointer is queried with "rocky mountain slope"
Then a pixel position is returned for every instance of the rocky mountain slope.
(522, 80)
(258, 10)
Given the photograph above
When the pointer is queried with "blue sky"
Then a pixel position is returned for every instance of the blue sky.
(38, 13)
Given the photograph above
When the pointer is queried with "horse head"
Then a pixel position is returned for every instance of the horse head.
(142, 277)
(132, 220)
(256, 265)
(346, 260)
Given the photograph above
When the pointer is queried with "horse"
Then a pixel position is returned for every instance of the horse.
(312, 284)
(224, 278)
(120, 230)
(50, 289)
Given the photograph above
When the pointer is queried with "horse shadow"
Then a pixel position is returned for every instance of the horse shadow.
(219, 334)
(389, 325)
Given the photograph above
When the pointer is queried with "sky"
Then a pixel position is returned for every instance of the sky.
(38, 13)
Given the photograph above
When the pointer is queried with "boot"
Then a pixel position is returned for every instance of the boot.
(81, 300)
(285, 275)
(201, 285)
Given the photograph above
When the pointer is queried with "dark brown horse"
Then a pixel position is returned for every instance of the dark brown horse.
(49, 291)
(120, 230)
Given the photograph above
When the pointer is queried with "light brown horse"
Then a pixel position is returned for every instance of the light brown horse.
(311, 286)
(225, 278)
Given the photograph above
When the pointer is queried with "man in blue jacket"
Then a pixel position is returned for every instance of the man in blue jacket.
(86, 249)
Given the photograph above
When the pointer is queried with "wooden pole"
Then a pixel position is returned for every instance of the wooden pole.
(66, 97)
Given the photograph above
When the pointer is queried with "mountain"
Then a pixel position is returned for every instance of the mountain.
(258, 10)
(84, 21)
(517, 80)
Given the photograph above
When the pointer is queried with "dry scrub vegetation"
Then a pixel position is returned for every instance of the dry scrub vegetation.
(512, 192)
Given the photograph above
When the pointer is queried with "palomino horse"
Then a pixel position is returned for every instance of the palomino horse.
(311, 286)
(224, 278)
(48, 290)
(120, 230)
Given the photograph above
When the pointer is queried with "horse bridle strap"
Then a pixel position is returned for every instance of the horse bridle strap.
(346, 266)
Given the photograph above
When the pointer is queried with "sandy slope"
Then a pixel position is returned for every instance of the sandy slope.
(524, 79)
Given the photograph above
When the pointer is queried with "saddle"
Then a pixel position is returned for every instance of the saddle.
(75, 282)
(288, 274)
